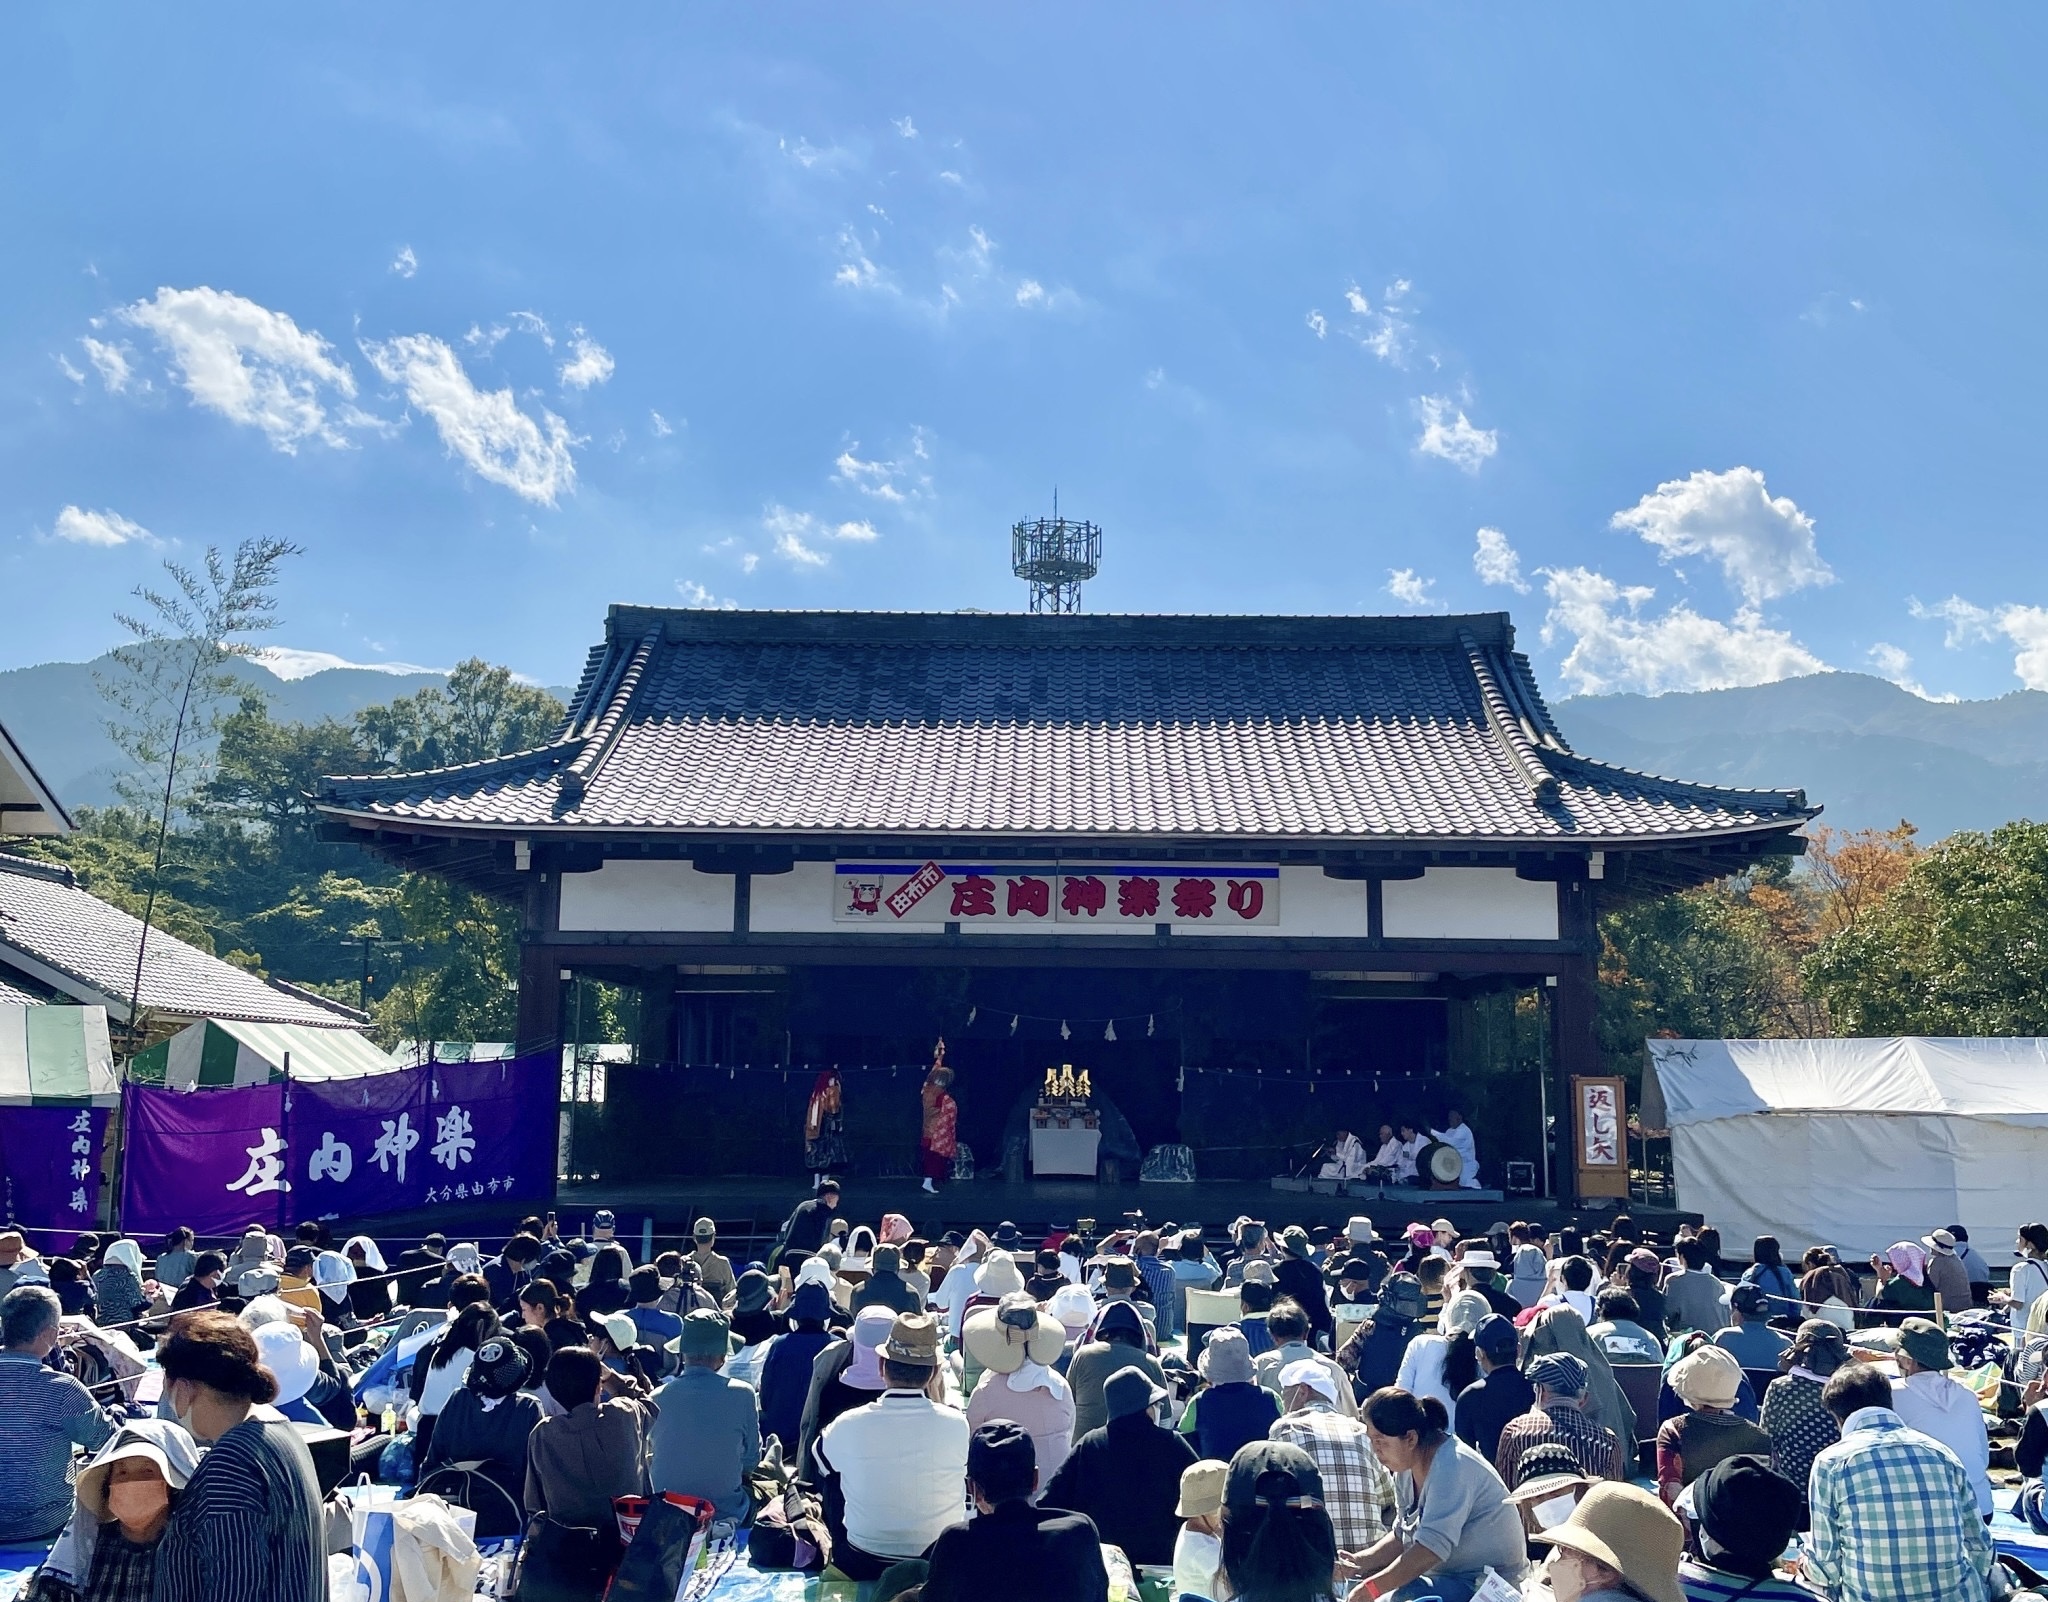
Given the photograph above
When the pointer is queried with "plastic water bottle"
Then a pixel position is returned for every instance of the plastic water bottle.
(390, 1419)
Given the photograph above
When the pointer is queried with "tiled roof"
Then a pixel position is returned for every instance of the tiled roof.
(16, 992)
(57, 934)
(1112, 727)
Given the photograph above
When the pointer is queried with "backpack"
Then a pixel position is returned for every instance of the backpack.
(789, 1522)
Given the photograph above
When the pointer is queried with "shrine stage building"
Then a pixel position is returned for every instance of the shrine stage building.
(1262, 877)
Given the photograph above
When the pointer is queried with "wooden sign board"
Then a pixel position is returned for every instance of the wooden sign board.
(1600, 1137)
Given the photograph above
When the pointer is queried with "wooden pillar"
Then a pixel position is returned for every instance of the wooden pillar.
(540, 971)
(1574, 1037)
(540, 1000)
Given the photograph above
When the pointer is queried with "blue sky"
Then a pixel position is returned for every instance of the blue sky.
(1724, 321)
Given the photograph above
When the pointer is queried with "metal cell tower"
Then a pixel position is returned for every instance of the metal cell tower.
(1054, 555)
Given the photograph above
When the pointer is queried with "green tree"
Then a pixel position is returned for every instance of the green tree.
(264, 771)
(483, 712)
(1955, 947)
(1700, 965)
(461, 977)
(168, 683)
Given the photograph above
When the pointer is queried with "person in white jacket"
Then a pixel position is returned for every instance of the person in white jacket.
(1935, 1405)
(1457, 1134)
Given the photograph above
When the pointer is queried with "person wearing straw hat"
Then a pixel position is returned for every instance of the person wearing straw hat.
(122, 1505)
(1016, 1344)
(706, 1435)
(1946, 1273)
(1620, 1544)
(1709, 1381)
(1126, 1475)
(896, 1465)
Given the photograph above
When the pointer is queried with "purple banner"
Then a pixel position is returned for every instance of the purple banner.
(219, 1160)
(50, 1167)
(209, 1159)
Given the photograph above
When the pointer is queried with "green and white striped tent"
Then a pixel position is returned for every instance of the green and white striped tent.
(214, 1054)
(56, 1056)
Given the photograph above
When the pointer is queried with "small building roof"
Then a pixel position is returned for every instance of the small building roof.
(55, 1056)
(59, 936)
(217, 1053)
(1259, 731)
(27, 805)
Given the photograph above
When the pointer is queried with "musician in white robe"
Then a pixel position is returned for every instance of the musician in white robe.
(1346, 1159)
(1387, 1160)
(1458, 1136)
(1407, 1150)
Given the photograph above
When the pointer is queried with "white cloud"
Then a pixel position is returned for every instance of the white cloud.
(1895, 664)
(905, 127)
(856, 268)
(1448, 433)
(1615, 647)
(485, 428)
(405, 263)
(749, 560)
(70, 369)
(2023, 626)
(288, 662)
(660, 426)
(84, 527)
(250, 364)
(1318, 324)
(797, 535)
(533, 323)
(696, 595)
(1764, 544)
(111, 363)
(947, 177)
(1384, 331)
(1031, 293)
(1496, 562)
(589, 362)
(1409, 589)
(485, 340)
(894, 481)
(817, 158)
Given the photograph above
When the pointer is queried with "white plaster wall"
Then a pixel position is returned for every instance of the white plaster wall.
(647, 898)
(796, 902)
(1469, 904)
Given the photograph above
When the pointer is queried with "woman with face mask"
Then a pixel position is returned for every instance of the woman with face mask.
(124, 1499)
(247, 1527)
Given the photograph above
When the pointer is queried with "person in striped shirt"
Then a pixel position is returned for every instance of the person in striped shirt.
(248, 1527)
(1894, 1518)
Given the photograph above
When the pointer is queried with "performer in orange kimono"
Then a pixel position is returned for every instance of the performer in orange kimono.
(939, 1139)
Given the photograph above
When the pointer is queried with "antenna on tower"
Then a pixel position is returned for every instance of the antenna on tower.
(1054, 555)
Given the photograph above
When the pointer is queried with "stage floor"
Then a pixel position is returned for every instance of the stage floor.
(754, 1208)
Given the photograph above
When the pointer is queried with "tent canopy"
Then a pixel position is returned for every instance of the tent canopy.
(56, 1056)
(2005, 1080)
(215, 1053)
(1859, 1143)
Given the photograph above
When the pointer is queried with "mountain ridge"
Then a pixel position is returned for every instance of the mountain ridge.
(1867, 751)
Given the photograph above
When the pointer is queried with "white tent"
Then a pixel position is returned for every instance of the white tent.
(1859, 1143)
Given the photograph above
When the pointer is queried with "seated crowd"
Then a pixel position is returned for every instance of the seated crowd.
(979, 1415)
